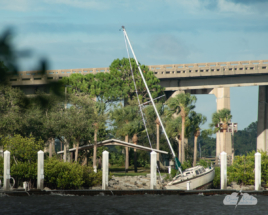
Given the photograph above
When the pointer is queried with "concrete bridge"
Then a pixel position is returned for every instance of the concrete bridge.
(197, 78)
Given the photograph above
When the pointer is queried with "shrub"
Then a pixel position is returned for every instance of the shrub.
(217, 179)
(203, 163)
(22, 149)
(186, 164)
(24, 171)
(65, 175)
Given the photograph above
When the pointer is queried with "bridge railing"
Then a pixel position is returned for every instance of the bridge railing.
(160, 71)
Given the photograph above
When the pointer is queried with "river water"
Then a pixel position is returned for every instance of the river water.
(138, 204)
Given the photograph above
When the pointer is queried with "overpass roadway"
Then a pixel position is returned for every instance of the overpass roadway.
(175, 76)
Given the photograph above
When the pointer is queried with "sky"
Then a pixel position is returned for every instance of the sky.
(85, 34)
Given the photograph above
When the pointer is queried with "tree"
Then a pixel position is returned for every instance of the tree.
(182, 104)
(12, 108)
(120, 69)
(223, 116)
(196, 120)
(173, 128)
(77, 123)
(127, 122)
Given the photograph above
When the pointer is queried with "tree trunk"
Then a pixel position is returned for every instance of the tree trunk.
(182, 138)
(50, 147)
(134, 140)
(76, 151)
(196, 135)
(126, 155)
(95, 151)
(66, 156)
(224, 141)
(224, 127)
(195, 151)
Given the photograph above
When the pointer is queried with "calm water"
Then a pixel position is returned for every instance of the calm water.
(144, 204)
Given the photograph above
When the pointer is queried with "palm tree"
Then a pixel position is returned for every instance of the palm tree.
(173, 128)
(182, 104)
(196, 120)
(223, 116)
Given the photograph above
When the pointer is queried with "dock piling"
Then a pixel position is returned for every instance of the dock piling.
(105, 170)
(6, 186)
(223, 170)
(40, 170)
(257, 171)
(153, 170)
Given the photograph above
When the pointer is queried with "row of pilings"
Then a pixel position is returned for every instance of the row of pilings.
(257, 170)
(40, 170)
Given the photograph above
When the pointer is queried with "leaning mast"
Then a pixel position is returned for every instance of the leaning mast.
(149, 93)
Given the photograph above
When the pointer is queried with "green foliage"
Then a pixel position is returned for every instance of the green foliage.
(116, 159)
(91, 178)
(223, 115)
(24, 171)
(245, 140)
(182, 103)
(174, 172)
(186, 164)
(1, 165)
(127, 120)
(203, 163)
(217, 179)
(65, 175)
(121, 72)
(22, 149)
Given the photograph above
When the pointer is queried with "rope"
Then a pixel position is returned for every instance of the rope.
(142, 114)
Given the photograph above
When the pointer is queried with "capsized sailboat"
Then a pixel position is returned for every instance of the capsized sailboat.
(198, 175)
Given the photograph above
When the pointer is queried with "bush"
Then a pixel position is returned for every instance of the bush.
(217, 179)
(24, 171)
(22, 149)
(65, 175)
(185, 165)
(203, 163)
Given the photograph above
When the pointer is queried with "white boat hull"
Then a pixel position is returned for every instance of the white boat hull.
(195, 182)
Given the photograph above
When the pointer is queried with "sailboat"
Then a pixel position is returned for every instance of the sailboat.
(192, 178)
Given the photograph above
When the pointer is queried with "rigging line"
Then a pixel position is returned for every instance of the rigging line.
(142, 114)
(154, 99)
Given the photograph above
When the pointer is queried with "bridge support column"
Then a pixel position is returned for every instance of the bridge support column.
(262, 129)
(223, 101)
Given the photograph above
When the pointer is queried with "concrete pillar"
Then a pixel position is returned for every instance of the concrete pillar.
(6, 170)
(105, 170)
(40, 170)
(223, 101)
(262, 129)
(257, 171)
(153, 170)
(126, 155)
(223, 170)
